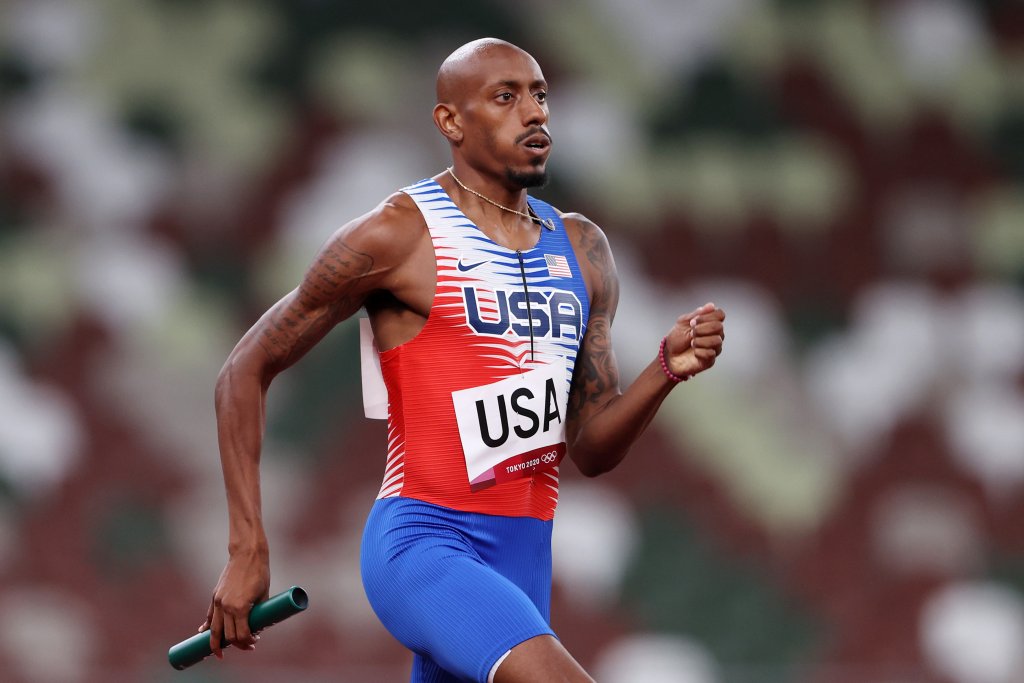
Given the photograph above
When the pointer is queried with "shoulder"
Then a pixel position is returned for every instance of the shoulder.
(396, 215)
(588, 239)
(594, 255)
(577, 222)
(582, 231)
(395, 226)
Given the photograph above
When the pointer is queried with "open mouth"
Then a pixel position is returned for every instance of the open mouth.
(537, 143)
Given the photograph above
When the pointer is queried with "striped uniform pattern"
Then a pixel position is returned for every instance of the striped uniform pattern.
(476, 334)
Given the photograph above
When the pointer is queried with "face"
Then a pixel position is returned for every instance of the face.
(504, 117)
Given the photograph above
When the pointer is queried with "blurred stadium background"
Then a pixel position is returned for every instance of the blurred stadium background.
(840, 501)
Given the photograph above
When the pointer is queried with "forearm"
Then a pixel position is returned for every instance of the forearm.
(240, 400)
(603, 439)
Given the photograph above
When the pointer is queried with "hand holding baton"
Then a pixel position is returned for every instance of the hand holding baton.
(261, 616)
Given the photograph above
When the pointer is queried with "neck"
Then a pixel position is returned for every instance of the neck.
(506, 210)
(492, 188)
(515, 205)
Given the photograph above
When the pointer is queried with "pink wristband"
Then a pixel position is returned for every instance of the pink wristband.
(673, 377)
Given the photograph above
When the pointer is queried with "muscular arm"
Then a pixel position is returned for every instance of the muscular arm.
(360, 258)
(603, 420)
(332, 290)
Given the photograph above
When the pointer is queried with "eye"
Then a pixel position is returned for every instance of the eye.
(541, 96)
(505, 96)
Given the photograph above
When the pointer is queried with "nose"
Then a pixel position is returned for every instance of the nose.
(534, 113)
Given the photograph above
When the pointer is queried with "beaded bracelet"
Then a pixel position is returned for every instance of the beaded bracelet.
(673, 377)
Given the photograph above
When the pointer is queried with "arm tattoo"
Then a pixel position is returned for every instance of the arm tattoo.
(327, 295)
(596, 373)
(592, 376)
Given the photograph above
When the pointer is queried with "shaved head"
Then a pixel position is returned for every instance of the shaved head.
(463, 68)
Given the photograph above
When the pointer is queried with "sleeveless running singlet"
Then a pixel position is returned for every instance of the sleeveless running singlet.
(477, 400)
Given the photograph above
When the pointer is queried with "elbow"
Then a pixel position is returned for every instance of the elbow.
(236, 375)
(228, 373)
(590, 471)
(594, 465)
(225, 380)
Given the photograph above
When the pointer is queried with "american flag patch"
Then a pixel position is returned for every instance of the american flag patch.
(558, 266)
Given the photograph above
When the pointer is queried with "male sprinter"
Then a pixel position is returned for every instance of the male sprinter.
(493, 312)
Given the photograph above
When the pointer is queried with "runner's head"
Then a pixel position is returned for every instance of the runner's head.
(492, 107)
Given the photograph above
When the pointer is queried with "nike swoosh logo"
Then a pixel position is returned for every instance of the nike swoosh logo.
(463, 266)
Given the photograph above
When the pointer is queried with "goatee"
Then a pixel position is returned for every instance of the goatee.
(527, 179)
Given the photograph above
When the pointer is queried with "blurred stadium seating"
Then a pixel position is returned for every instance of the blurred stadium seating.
(839, 501)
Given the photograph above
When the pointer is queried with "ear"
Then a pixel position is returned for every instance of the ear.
(447, 121)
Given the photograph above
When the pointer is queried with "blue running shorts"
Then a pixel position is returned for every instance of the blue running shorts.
(459, 589)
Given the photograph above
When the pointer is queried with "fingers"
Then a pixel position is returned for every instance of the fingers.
(230, 629)
(236, 625)
(217, 633)
(244, 581)
(707, 357)
(706, 308)
(710, 342)
(707, 341)
(707, 325)
(696, 341)
(705, 334)
(703, 320)
(710, 326)
(244, 639)
(209, 619)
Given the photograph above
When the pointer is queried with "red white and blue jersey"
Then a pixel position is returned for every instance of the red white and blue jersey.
(477, 400)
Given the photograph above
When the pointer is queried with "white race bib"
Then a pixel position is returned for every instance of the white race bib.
(512, 428)
(375, 392)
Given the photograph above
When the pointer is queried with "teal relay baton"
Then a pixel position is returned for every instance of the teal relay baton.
(262, 615)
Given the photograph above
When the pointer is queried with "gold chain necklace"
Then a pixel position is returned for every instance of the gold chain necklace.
(547, 222)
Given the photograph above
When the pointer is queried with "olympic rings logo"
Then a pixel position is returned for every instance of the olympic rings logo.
(548, 458)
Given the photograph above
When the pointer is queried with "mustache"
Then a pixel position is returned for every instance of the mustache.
(536, 130)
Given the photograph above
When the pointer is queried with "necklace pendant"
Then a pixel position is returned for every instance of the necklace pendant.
(548, 223)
